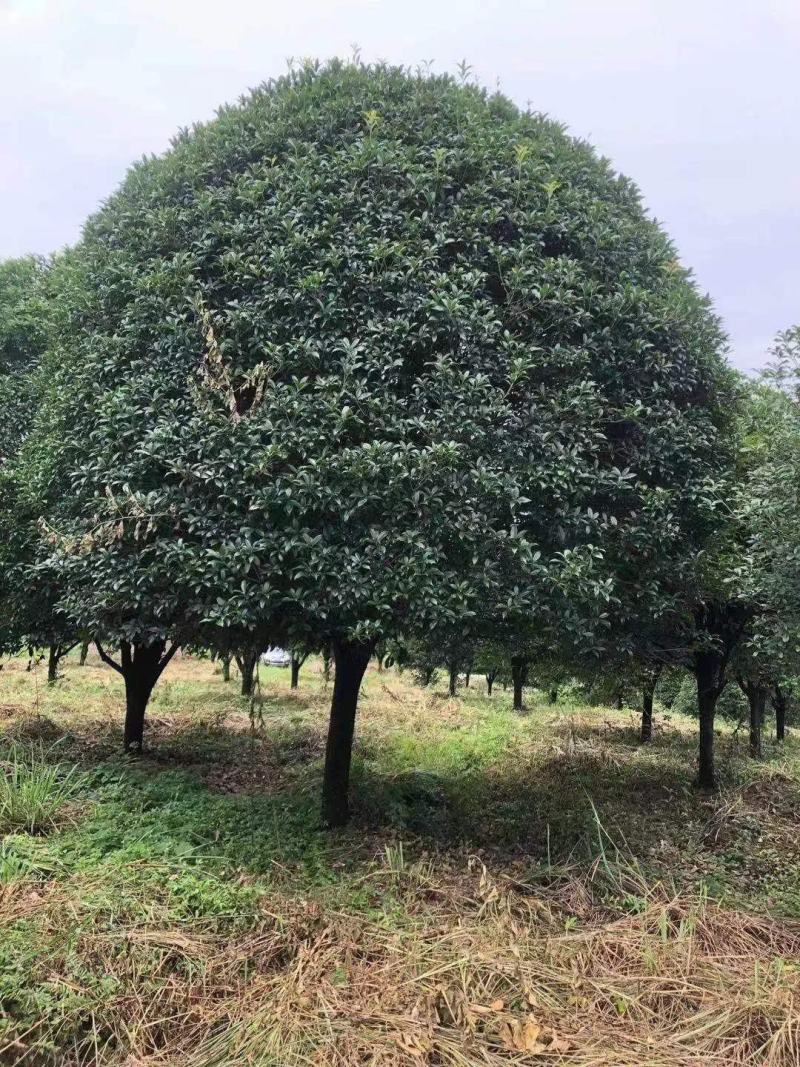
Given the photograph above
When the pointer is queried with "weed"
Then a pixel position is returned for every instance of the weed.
(33, 790)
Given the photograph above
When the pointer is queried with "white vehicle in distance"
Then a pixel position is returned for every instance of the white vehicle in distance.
(276, 657)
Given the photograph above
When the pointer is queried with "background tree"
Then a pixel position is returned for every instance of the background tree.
(29, 593)
(770, 660)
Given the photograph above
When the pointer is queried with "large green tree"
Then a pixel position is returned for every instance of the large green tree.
(372, 353)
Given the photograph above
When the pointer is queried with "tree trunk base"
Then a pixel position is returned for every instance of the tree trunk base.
(351, 662)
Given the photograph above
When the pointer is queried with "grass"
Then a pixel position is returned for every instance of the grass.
(33, 790)
(536, 890)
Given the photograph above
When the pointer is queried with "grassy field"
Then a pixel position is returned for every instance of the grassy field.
(512, 890)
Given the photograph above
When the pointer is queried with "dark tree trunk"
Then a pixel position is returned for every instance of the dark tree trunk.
(756, 693)
(725, 623)
(137, 697)
(351, 662)
(246, 662)
(779, 704)
(226, 667)
(453, 680)
(140, 669)
(490, 677)
(466, 679)
(648, 691)
(617, 701)
(552, 696)
(757, 702)
(247, 670)
(141, 666)
(519, 669)
(55, 654)
(295, 668)
(709, 669)
(52, 664)
(84, 653)
(646, 734)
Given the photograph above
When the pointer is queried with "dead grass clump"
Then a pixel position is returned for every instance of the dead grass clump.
(31, 726)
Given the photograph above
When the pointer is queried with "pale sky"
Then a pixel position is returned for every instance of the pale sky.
(697, 100)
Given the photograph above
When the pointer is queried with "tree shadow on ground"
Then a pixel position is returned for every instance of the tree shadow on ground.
(547, 805)
(250, 798)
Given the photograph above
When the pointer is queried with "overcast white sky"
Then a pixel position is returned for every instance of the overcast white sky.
(697, 100)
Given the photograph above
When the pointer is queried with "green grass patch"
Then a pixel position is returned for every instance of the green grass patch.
(34, 791)
(137, 896)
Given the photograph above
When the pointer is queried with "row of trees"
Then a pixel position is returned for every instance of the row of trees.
(611, 683)
(375, 357)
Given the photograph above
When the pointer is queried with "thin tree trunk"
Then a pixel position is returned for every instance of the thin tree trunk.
(84, 653)
(52, 664)
(552, 696)
(247, 669)
(326, 663)
(779, 704)
(453, 680)
(246, 663)
(55, 654)
(708, 669)
(646, 734)
(648, 691)
(489, 683)
(295, 668)
(756, 693)
(518, 671)
(226, 667)
(757, 701)
(466, 679)
(351, 662)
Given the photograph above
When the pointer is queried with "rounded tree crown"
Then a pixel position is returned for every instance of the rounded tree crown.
(366, 329)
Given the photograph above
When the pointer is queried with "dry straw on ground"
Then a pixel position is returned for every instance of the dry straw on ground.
(483, 972)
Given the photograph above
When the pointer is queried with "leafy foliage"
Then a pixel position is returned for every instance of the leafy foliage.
(375, 352)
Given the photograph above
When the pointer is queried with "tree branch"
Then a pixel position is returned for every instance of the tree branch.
(166, 659)
(107, 659)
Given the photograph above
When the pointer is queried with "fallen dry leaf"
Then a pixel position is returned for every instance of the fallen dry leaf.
(558, 1044)
(522, 1036)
